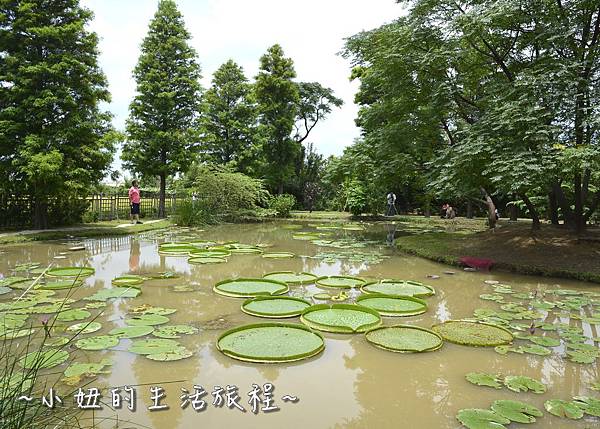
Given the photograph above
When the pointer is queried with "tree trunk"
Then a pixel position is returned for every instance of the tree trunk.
(40, 213)
(469, 210)
(564, 205)
(491, 207)
(162, 196)
(532, 212)
(514, 212)
(579, 224)
(552, 208)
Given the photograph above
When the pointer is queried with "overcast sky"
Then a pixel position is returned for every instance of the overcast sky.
(311, 32)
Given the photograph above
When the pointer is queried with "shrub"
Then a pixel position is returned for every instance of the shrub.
(356, 197)
(282, 204)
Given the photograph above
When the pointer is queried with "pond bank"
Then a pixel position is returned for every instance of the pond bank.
(552, 251)
(89, 230)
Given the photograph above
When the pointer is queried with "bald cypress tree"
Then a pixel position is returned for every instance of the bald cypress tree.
(54, 139)
(163, 115)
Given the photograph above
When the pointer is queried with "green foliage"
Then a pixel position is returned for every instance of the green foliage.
(228, 123)
(162, 117)
(54, 139)
(282, 204)
(356, 197)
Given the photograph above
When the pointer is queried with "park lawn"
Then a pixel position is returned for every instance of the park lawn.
(85, 230)
(552, 251)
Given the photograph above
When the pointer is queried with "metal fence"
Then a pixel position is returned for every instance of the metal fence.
(110, 207)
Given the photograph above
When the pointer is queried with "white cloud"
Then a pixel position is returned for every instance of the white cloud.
(311, 32)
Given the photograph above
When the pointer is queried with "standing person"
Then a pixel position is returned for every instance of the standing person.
(450, 213)
(391, 204)
(134, 199)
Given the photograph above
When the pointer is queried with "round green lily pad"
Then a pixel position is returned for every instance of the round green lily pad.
(153, 346)
(343, 282)
(477, 418)
(249, 287)
(131, 331)
(341, 318)
(175, 249)
(14, 334)
(70, 272)
(101, 342)
(275, 306)
(127, 281)
(516, 411)
(404, 339)
(391, 305)
(177, 354)
(106, 294)
(209, 253)
(560, 408)
(473, 333)
(399, 287)
(59, 284)
(43, 359)
(173, 331)
(291, 277)
(278, 255)
(72, 315)
(201, 260)
(55, 341)
(270, 343)
(147, 320)
(322, 296)
(85, 327)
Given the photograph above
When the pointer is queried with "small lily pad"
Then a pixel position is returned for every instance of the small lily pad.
(173, 331)
(106, 294)
(476, 418)
(60, 284)
(43, 359)
(100, 342)
(484, 379)
(154, 346)
(131, 331)
(521, 383)
(177, 354)
(516, 411)
(146, 320)
(202, 260)
(561, 408)
(85, 328)
(588, 405)
(76, 371)
(73, 314)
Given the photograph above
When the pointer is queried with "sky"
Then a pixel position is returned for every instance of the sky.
(311, 32)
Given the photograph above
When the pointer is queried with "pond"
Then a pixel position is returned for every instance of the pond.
(351, 384)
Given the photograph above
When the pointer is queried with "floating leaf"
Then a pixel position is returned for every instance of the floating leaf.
(127, 281)
(588, 405)
(275, 307)
(70, 272)
(399, 287)
(100, 342)
(131, 331)
(43, 359)
(544, 341)
(404, 339)
(85, 328)
(60, 284)
(561, 408)
(322, 296)
(146, 320)
(341, 318)
(177, 354)
(173, 331)
(106, 294)
(76, 371)
(516, 411)
(521, 383)
(534, 349)
(475, 418)
(278, 255)
(74, 314)
(392, 305)
(473, 333)
(291, 277)
(484, 379)
(344, 282)
(154, 346)
(149, 309)
(202, 260)
(270, 343)
(56, 341)
(249, 287)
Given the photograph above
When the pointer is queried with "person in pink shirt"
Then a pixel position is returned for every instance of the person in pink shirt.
(134, 199)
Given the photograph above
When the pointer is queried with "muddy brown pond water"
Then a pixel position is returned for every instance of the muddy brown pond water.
(351, 384)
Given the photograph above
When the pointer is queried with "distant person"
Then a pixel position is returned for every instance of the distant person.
(391, 204)
(443, 211)
(450, 213)
(497, 214)
(134, 199)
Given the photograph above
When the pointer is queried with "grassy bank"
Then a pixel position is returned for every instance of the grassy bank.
(88, 230)
(552, 251)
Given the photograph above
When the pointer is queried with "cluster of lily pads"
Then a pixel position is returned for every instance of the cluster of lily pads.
(537, 319)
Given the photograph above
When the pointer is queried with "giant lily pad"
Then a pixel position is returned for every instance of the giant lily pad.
(43, 359)
(561, 408)
(101, 342)
(146, 320)
(128, 281)
(404, 339)
(516, 411)
(275, 306)
(250, 287)
(484, 379)
(342, 282)
(70, 272)
(278, 255)
(175, 249)
(202, 260)
(399, 287)
(210, 253)
(173, 331)
(270, 343)
(131, 331)
(473, 333)
(476, 418)
(290, 277)
(520, 383)
(392, 305)
(341, 318)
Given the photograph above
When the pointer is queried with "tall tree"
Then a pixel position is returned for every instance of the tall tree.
(163, 116)
(314, 104)
(278, 96)
(228, 122)
(54, 139)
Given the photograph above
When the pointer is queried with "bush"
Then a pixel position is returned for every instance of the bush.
(282, 204)
(191, 212)
(356, 198)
